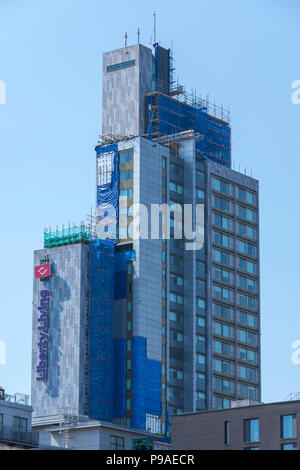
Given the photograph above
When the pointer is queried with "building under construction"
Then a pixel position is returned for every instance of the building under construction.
(140, 328)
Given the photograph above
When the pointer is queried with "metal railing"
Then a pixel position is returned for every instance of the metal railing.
(17, 436)
(293, 396)
(18, 398)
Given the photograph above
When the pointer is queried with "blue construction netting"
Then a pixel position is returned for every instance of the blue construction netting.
(146, 384)
(101, 329)
(121, 260)
(169, 116)
(108, 197)
(119, 377)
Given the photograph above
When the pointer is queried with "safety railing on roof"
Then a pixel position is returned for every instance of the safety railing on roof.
(17, 398)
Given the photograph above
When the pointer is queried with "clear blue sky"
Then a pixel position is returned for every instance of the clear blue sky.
(244, 53)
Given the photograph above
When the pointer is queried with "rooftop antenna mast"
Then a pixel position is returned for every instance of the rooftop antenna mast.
(126, 37)
(138, 35)
(154, 26)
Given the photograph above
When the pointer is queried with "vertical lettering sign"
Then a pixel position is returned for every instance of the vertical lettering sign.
(43, 335)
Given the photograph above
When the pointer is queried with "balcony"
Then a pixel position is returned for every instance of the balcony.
(11, 435)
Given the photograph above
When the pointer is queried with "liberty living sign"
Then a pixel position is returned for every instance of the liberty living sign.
(43, 335)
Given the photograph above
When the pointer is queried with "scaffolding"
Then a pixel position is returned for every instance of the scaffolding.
(168, 116)
(66, 236)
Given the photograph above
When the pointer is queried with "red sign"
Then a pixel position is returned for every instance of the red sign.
(42, 271)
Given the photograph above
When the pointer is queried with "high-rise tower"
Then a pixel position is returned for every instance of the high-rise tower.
(161, 327)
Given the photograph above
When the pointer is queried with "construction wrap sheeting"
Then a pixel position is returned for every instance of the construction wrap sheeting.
(107, 192)
(146, 384)
(119, 377)
(101, 329)
(167, 116)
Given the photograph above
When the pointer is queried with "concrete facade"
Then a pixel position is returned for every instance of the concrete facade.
(67, 380)
(124, 89)
(206, 430)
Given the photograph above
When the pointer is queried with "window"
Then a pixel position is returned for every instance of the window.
(222, 311)
(200, 396)
(125, 194)
(221, 221)
(222, 275)
(247, 319)
(1, 420)
(221, 403)
(126, 157)
(176, 374)
(246, 231)
(246, 283)
(222, 204)
(176, 316)
(288, 426)
(201, 322)
(176, 169)
(222, 293)
(200, 286)
(176, 298)
(200, 177)
(222, 239)
(200, 267)
(20, 424)
(247, 391)
(176, 336)
(221, 257)
(247, 355)
(201, 379)
(245, 213)
(290, 446)
(201, 304)
(247, 266)
(177, 188)
(176, 261)
(248, 374)
(116, 443)
(251, 430)
(222, 348)
(122, 65)
(247, 301)
(222, 385)
(221, 186)
(246, 196)
(222, 330)
(176, 280)
(174, 411)
(125, 175)
(246, 248)
(226, 433)
(223, 367)
(200, 340)
(246, 336)
(200, 194)
(201, 359)
(175, 393)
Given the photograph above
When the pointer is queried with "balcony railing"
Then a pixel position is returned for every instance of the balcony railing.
(18, 398)
(12, 435)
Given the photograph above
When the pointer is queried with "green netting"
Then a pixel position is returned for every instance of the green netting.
(67, 236)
